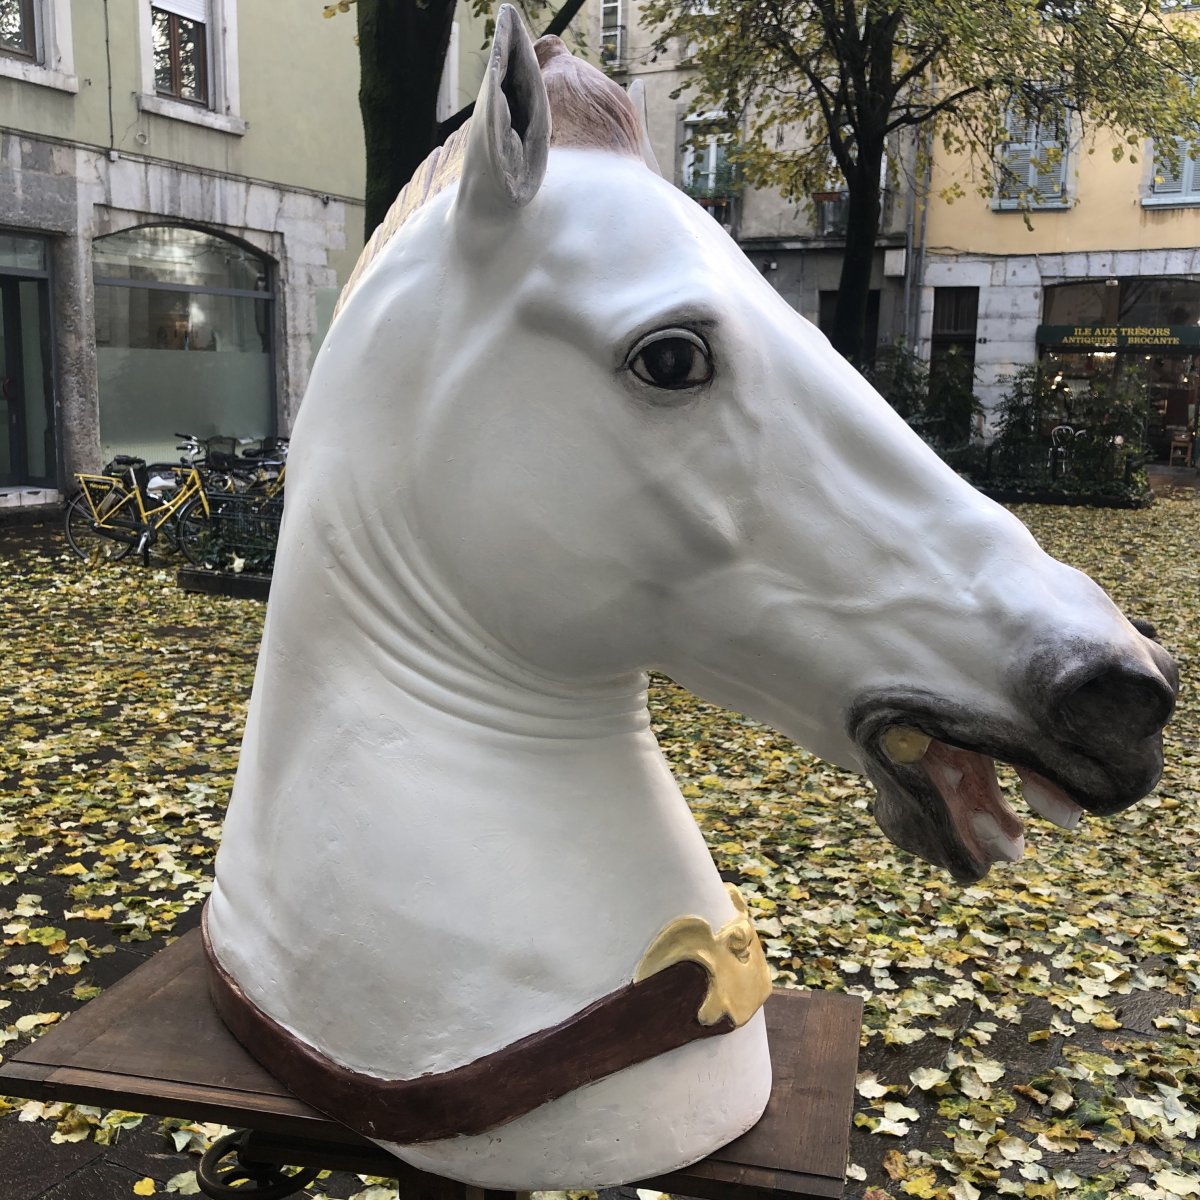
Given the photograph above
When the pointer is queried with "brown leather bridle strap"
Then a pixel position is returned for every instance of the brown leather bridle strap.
(635, 1023)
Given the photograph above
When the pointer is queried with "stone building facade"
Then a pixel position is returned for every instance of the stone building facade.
(180, 198)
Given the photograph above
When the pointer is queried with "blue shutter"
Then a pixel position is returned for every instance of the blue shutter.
(1035, 158)
(1049, 178)
(1168, 181)
(1016, 157)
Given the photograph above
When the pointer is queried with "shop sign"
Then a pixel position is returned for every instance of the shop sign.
(1117, 337)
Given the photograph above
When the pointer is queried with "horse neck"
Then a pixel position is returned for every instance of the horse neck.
(381, 630)
(389, 739)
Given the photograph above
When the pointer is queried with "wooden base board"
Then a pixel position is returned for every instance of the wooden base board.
(153, 1043)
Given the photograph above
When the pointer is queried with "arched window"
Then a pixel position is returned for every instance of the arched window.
(184, 325)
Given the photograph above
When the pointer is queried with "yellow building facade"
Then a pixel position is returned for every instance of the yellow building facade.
(1104, 275)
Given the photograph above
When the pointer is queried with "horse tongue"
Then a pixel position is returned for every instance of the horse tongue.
(982, 817)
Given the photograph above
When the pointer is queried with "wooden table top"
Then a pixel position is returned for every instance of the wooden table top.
(153, 1043)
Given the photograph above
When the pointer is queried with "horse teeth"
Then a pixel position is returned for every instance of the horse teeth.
(1002, 847)
(1046, 804)
(950, 777)
(903, 744)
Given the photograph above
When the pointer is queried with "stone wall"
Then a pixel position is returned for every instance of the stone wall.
(73, 194)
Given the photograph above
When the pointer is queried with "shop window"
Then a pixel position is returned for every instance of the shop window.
(1131, 301)
(1151, 300)
(1032, 160)
(1145, 332)
(181, 51)
(35, 43)
(1092, 302)
(190, 62)
(184, 339)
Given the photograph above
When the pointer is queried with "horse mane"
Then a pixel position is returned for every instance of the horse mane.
(587, 111)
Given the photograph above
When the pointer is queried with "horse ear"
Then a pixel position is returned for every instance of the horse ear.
(637, 97)
(509, 138)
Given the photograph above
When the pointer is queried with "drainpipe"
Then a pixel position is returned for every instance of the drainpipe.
(112, 138)
(918, 272)
(910, 221)
(914, 275)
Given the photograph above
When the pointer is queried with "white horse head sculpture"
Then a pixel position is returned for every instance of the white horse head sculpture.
(562, 431)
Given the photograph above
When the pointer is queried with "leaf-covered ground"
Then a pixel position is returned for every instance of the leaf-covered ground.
(1038, 1034)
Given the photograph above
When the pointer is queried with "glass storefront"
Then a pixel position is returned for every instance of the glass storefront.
(1144, 331)
(184, 340)
(28, 449)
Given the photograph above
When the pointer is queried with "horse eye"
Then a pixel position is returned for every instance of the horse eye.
(672, 359)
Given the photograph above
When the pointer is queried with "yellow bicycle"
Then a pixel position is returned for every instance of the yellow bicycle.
(120, 511)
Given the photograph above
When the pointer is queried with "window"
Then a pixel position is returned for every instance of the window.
(1146, 300)
(1177, 183)
(35, 43)
(612, 35)
(16, 28)
(190, 62)
(707, 175)
(955, 320)
(184, 339)
(181, 50)
(1032, 161)
(833, 213)
(706, 167)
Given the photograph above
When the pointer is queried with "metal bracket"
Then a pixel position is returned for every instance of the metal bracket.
(219, 1179)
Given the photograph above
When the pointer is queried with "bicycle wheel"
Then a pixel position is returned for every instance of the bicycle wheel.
(198, 535)
(87, 539)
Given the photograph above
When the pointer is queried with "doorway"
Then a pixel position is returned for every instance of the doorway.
(28, 454)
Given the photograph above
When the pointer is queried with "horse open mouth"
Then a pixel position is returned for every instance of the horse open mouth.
(939, 798)
(962, 784)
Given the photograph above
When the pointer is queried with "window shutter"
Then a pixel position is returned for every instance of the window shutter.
(193, 10)
(1035, 156)
(1168, 181)
(1049, 169)
(1016, 156)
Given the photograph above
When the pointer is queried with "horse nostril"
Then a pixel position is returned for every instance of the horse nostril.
(1144, 628)
(1122, 704)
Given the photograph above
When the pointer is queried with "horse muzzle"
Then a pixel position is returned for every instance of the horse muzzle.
(1086, 738)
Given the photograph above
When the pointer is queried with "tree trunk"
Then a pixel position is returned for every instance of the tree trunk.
(402, 47)
(849, 334)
